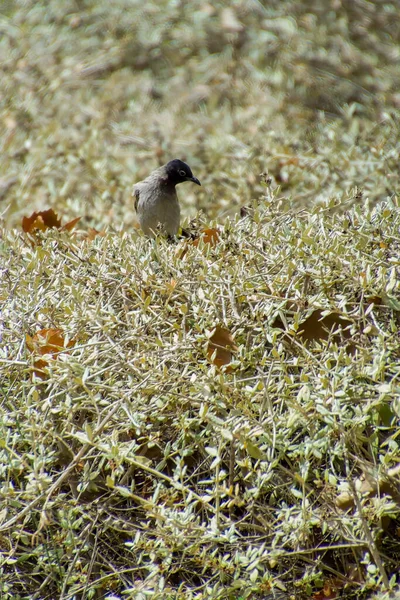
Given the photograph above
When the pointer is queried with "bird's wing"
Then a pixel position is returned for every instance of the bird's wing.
(136, 194)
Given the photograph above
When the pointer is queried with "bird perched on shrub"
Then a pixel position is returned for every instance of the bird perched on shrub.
(156, 201)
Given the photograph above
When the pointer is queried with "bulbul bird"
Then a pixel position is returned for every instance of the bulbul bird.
(156, 201)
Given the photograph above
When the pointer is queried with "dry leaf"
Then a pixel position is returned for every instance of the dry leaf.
(46, 341)
(375, 300)
(70, 225)
(46, 219)
(370, 484)
(319, 327)
(221, 343)
(92, 233)
(208, 236)
(41, 221)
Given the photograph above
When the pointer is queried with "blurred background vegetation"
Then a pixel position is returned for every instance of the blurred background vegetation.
(96, 94)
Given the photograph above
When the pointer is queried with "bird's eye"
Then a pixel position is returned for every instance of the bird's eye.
(182, 173)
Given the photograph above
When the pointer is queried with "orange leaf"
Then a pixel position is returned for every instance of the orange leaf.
(221, 342)
(92, 233)
(46, 341)
(39, 368)
(42, 220)
(69, 226)
(208, 236)
(46, 219)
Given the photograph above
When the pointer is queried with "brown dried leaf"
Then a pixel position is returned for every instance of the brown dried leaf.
(46, 341)
(221, 342)
(370, 484)
(92, 233)
(70, 225)
(208, 236)
(45, 219)
(319, 327)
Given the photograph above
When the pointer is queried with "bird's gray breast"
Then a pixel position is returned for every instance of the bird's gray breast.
(157, 204)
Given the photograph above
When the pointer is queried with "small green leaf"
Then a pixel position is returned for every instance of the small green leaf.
(254, 451)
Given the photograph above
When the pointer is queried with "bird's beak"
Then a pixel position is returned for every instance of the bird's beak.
(195, 180)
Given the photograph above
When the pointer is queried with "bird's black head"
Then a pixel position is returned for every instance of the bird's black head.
(178, 171)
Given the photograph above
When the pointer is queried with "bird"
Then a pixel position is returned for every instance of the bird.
(156, 201)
